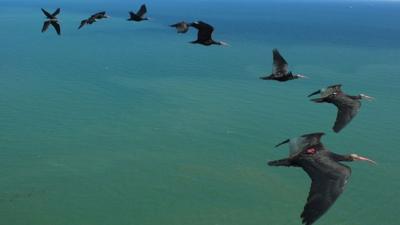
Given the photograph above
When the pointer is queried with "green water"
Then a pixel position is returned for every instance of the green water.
(124, 124)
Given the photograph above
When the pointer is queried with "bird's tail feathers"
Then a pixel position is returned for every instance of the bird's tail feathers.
(283, 142)
(314, 93)
(280, 162)
(268, 77)
(318, 100)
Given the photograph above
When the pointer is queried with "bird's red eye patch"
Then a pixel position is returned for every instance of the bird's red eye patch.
(311, 151)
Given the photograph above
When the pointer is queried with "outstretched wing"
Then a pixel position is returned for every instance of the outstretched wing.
(328, 181)
(299, 144)
(347, 110)
(45, 26)
(56, 12)
(83, 22)
(98, 15)
(47, 14)
(279, 63)
(57, 27)
(142, 11)
(204, 30)
(132, 14)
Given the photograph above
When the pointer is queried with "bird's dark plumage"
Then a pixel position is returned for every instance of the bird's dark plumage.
(280, 71)
(47, 14)
(181, 27)
(204, 34)
(279, 63)
(328, 182)
(139, 15)
(46, 25)
(56, 26)
(51, 19)
(327, 174)
(93, 18)
(53, 15)
(347, 105)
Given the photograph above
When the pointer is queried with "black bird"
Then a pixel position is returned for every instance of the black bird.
(280, 71)
(181, 27)
(348, 106)
(51, 19)
(93, 18)
(140, 15)
(204, 34)
(327, 174)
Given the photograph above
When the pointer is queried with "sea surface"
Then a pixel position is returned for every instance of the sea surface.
(125, 123)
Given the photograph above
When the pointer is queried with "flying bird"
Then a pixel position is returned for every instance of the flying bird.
(140, 15)
(280, 71)
(348, 106)
(93, 18)
(181, 27)
(204, 34)
(328, 175)
(51, 19)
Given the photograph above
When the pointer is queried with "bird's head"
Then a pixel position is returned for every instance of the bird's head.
(355, 157)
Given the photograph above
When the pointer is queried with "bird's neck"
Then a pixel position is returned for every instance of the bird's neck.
(355, 97)
(338, 157)
(216, 42)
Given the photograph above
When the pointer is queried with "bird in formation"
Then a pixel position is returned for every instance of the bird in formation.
(204, 34)
(51, 19)
(93, 18)
(280, 71)
(140, 15)
(328, 175)
(348, 105)
(181, 27)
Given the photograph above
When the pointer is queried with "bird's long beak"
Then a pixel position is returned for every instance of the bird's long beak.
(283, 142)
(224, 43)
(369, 98)
(360, 158)
(302, 76)
(314, 93)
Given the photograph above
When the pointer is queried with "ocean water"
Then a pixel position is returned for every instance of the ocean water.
(127, 124)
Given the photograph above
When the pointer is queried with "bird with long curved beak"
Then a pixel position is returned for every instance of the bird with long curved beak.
(140, 15)
(328, 175)
(280, 71)
(348, 105)
(204, 34)
(94, 18)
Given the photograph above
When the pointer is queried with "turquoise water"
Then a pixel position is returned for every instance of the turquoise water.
(122, 123)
